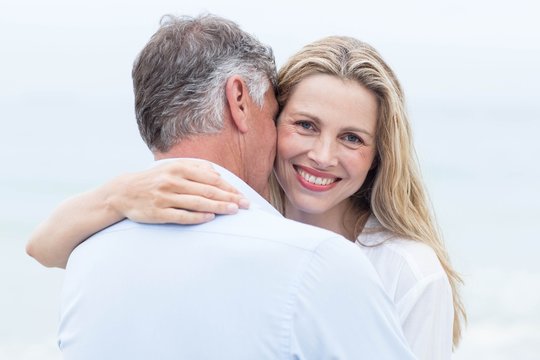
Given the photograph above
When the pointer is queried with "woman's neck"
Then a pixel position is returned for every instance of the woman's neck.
(341, 219)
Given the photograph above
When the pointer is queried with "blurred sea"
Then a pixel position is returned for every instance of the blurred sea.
(481, 168)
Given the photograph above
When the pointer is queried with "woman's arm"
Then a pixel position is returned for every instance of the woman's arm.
(70, 224)
(158, 195)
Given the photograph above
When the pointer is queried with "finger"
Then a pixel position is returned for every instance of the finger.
(188, 168)
(201, 204)
(185, 175)
(183, 217)
(210, 192)
(202, 173)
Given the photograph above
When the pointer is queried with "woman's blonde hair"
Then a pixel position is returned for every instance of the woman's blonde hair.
(393, 190)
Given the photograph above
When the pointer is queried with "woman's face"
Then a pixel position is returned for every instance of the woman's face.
(326, 143)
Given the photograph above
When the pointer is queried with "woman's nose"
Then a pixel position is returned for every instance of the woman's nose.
(323, 153)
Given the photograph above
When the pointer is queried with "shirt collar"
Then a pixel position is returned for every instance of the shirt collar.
(256, 200)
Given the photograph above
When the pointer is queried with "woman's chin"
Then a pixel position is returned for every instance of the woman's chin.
(310, 207)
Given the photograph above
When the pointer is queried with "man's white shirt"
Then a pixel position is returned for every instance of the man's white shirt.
(248, 286)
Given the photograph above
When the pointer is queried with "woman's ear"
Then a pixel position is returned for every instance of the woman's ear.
(237, 96)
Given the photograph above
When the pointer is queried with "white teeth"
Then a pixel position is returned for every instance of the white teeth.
(315, 180)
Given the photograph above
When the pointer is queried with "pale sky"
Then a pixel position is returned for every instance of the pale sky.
(62, 59)
(77, 46)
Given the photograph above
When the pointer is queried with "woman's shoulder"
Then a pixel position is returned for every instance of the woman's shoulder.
(398, 260)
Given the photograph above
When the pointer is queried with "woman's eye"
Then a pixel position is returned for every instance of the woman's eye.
(306, 125)
(353, 139)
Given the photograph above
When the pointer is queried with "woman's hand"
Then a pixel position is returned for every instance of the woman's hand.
(183, 191)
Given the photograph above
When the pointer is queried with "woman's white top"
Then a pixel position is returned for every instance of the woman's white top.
(415, 280)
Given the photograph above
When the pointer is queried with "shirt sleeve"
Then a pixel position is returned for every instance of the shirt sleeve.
(427, 314)
(341, 310)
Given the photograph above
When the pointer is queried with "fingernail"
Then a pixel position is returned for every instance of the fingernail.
(244, 203)
(232, 208)
(209, 216)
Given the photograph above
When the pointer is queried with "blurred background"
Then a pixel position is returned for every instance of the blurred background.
(471, 74)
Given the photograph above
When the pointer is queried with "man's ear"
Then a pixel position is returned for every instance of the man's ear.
(238, 99)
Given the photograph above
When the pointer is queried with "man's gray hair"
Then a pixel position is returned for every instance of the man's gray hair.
(179, 77)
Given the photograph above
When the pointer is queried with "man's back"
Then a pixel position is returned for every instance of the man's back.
(249, 286)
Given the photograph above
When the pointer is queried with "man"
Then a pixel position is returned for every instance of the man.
(249, 286)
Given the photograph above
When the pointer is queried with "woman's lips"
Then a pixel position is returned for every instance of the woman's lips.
(315, 180)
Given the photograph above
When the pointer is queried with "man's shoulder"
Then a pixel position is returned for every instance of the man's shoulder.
(249, 224)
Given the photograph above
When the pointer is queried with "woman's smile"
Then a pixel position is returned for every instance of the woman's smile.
(315, 180)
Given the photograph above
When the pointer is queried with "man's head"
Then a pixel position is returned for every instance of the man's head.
(193, 80)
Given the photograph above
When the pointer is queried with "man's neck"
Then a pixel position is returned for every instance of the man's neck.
(207, 147)
(217, 149)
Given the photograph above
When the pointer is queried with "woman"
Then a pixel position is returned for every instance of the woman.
(345, 162)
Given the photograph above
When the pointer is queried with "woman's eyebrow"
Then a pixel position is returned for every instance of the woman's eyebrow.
(309, 115)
